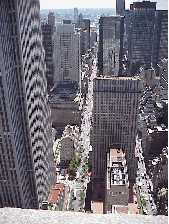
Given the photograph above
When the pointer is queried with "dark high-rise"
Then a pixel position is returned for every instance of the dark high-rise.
(84, 25)
(47, 44)
(27, 170)
(111, 30)
(120, 7)
(161, 37)
(75, 15)
(143, 21)
(51, 21)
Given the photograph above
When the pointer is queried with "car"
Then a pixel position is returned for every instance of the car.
(44, 205)
(62, 172)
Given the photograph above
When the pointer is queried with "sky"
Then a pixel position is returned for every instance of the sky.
(70, 4)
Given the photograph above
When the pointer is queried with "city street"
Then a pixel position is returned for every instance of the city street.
(144, 183)
(81, 181)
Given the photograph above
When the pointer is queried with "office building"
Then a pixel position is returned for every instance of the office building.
(161, 37)
(75, 15)
(117, 185)
(51, 21)
(143, 21)
(93, 38)
(67, 64)
(115, 119)
(120, 7)
(69, 143)
(47, 44)
(27, 170)
(87, 28)
(111, 30)
(84, 27)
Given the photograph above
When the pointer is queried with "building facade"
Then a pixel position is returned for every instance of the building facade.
(67, 64)
(51, 21)
(69, 143)
(115, 118)
(66, 108)
(161, 37)
(143, 21)
(27, 166)
(75, 15)
(111, 30)
(120, 7)
(47, 44)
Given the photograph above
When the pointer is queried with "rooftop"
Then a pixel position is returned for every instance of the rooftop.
(17, 215)
(118, 77)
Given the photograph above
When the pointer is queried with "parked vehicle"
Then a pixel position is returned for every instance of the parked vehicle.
(62, 172)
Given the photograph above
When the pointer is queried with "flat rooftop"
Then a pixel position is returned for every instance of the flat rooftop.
(118, 77)
(30, 216)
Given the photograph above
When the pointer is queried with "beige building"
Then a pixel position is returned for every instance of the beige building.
(117, 185)
(69, 143)
(115, 119)
(66, 56)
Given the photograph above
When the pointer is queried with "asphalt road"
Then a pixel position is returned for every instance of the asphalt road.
(144, 182)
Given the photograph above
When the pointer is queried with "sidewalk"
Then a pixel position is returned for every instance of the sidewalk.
(133, 208)
(64, 208)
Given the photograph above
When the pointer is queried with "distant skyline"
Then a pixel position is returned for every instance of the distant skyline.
(52, 4)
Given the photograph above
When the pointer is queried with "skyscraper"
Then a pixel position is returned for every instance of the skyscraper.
(51, 21)
(84, 25)
(143, 20)
(161, 37)
(47, 44)
(120, 7)
(115, 118)
(66, 55)
(111, 30)
(26, 156)
(75, 15)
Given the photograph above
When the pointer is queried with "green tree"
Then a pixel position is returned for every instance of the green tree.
(72, 194)
(72, 170)
(81, 203)
(50, 204)
(82, 194)
(73, 166)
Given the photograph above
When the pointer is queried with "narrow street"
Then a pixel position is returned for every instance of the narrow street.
(144, 184)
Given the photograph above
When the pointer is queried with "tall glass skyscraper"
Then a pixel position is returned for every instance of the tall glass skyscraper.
(143, 21)
(27, 171)
(120, 7)
(111, 30)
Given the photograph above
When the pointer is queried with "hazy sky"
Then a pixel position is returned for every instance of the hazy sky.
(67, 4)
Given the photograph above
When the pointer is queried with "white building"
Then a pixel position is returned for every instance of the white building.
(66, 55)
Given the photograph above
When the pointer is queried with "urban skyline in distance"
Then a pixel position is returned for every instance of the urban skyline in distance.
(49, 4)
